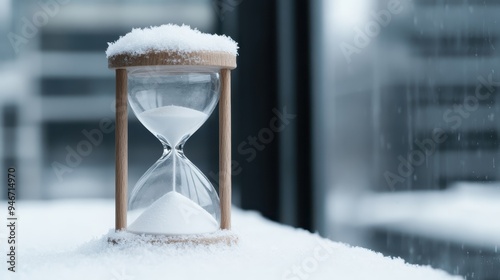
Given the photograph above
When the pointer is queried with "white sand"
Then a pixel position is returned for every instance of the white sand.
(174, 214)
(172, 122)
(170, 37)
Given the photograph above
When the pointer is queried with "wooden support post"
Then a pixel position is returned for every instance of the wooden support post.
(225, 149)
(121, 142)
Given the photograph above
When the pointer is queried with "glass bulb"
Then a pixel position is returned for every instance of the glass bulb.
(173, 197)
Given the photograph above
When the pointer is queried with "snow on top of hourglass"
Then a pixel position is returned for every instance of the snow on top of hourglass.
(170, 37)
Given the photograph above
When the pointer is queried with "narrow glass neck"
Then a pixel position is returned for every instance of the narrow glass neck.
(167, 149)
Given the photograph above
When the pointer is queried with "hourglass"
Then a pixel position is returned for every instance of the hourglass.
(173, 92)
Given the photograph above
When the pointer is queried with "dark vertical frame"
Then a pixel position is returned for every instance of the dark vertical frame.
(303, 94)
(296, 189)
(253, 102)
(273, 73)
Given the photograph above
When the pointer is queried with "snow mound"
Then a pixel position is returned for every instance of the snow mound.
(69, 240)
(170, 37)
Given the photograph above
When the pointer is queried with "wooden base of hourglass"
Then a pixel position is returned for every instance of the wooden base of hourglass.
(217, 238)
(225, 63)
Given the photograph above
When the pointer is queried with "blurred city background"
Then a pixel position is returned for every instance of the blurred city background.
(389, 109)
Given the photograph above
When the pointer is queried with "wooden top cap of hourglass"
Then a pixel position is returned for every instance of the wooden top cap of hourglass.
(221, 60)
(172, 45)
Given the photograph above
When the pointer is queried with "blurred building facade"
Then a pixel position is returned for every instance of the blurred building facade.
(57, 90)
(410, 89)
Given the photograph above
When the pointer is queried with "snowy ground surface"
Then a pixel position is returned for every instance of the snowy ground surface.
(67, 240)
(465, 213)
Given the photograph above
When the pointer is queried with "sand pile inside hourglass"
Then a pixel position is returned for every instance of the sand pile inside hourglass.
(174, 214)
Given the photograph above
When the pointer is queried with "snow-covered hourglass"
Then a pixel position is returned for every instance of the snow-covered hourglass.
(173, 197)
(173, 77)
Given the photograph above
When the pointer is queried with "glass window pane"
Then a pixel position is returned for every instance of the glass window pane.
(407, 96)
